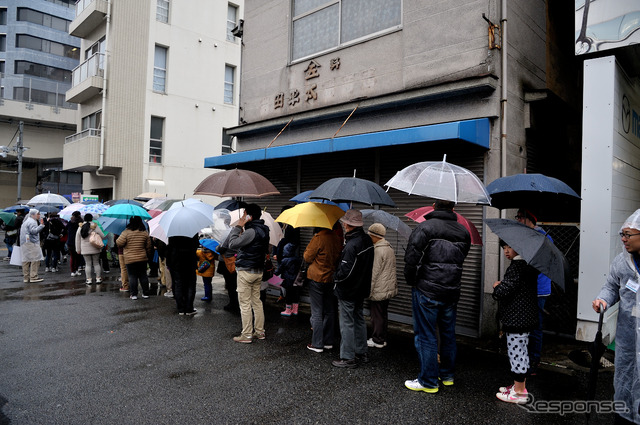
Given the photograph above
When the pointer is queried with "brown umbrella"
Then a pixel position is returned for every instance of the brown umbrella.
(236, 183)
(148, 195)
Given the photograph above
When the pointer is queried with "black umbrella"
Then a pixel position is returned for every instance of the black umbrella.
(231, 205)
(352, 189)
(534, 247)
(46, 208)
(123, 201)
(597, 350)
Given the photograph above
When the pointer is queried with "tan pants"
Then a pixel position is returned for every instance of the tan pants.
(124, 276)
(249, 299)
(30, 270)
(165, 276)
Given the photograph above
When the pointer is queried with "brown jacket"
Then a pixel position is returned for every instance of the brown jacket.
(136, 245)
(322, 255)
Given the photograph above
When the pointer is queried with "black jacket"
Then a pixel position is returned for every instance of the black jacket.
(252, 245)
(353, 276)
(517, 296)
(434, 256)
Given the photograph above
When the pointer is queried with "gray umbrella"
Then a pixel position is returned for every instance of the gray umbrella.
(389, 221)
(352, 189)
(534, 247)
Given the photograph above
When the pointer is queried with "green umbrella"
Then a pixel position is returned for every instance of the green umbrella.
(8, 218)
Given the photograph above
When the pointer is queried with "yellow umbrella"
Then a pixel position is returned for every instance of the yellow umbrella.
(311, 214)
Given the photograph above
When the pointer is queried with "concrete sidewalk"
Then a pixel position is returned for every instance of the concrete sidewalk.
(78, 354)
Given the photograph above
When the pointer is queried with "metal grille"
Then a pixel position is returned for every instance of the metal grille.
(561, 306)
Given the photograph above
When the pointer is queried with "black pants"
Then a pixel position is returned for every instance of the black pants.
(184, 288)
(138, 272)
(379, 320)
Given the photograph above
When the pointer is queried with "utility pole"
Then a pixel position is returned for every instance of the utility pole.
(19, 150)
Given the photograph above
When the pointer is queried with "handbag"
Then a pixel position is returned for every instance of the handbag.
(95, 240)
(230, 262)
(301, 277)
(204, 266)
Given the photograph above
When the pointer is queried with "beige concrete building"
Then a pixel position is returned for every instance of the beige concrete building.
(156, 86)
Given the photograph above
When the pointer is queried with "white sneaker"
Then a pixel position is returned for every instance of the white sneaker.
(47, 269)
(372, 344)
(55, 270)
(134, 297)
(168, 294)
(415, 385)
(512, 396)
(73, 274)
(89, 281)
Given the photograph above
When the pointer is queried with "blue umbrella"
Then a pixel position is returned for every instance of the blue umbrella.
(126, 211)
(115, 225)
(210, 244)
(304, 197)
(15, 208)
(529, 191)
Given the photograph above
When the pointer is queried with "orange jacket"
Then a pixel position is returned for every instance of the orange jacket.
(210, 256)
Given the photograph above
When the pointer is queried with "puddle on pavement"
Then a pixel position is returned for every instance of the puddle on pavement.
(54, 291)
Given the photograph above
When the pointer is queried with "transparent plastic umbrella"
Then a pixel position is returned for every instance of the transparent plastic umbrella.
(49, 199)
(441, 180)
(275, 232)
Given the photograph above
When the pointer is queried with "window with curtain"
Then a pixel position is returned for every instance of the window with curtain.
(232, 21)
(229, 72)
(155, 140)
(160, 69)
(320, 25)
(162, 11)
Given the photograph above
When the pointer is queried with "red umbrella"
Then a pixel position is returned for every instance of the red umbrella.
(417, 215)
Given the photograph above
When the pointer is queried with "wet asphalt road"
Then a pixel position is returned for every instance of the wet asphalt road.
(77, 354)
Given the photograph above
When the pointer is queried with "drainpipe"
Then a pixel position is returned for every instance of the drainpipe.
(503, 94)
(104, 103)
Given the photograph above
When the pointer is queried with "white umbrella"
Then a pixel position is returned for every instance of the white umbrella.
(275, 232)
(186, 220)
(49, 199)
(155, 230)
(441, 180)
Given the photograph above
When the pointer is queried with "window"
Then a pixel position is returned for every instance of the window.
(3, 42)
(320, 25)
(3, 16)
(229, 72)
(43, 71)
(162, 11)
(155, 140)
(227, 143)
(97, 47)
(47, 46)
(50, 21)
(232, 21)
(160, 69)
(92, 121)
(2, 68)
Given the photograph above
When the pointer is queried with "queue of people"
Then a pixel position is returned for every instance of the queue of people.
(346, 265)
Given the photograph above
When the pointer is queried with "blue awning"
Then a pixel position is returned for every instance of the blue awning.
(473, 131)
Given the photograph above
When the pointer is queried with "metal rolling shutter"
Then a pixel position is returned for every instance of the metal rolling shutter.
(316, 169)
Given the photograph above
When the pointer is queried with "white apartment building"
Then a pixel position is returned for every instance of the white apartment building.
(156, 86)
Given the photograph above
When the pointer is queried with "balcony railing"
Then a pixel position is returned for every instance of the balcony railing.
(81, 5)
(94, 66)
(89, 132)
(35, 90)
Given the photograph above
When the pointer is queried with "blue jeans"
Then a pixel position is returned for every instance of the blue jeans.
(427, 314)
(353, 329)
(535, 336)
(322, 313)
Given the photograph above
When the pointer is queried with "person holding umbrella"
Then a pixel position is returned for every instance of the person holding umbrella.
(90, 252)
(250, 237)
(433, 267)
(136, 245)
(352, 285)
(527, 218)
(30, 246)
(623, 286)
(517, 309)
(54, 230)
